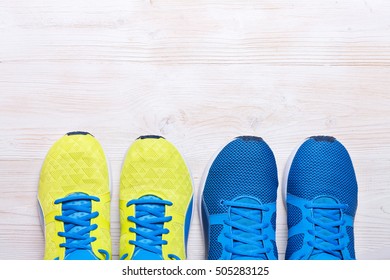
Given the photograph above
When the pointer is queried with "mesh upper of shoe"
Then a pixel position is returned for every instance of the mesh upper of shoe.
(242, 168)
(323, 168)
(153, 166)
(76, 163)
(245, 167)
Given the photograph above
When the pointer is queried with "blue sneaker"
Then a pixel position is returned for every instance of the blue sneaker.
(238, 202)
(320, 191)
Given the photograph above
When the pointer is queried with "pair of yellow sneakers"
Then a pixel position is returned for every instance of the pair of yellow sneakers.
(155, 205)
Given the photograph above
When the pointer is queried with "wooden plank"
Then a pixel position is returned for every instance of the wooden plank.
(199, 73)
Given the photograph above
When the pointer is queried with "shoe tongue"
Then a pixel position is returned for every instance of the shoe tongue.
(323, 256)
(80, 254)
(320, 255)
(140, 253)
(248, 223)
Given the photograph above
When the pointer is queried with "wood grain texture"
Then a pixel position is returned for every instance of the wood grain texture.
(199, 73)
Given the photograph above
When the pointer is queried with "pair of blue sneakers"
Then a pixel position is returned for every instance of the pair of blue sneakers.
(238, 201)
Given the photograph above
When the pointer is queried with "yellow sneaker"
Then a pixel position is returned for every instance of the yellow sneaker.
(156, 193)
(74, 199)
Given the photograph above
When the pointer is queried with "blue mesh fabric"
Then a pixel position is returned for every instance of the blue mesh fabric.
(216, 252)
(244, 167)
(351, 247)
(294, 244)
(324, 168)
(294, 215)
(206, 225)
(275, 248)
(273, 221)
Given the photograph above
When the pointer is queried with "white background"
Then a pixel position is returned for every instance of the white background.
(199, 73)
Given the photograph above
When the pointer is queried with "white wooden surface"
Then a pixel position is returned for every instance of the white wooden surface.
(199, 73)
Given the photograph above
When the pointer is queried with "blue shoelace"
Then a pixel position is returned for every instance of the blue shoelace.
(327, 234)
(246, 233)
(149, 220)
(76, 216)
